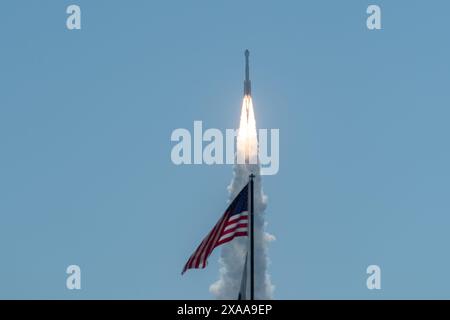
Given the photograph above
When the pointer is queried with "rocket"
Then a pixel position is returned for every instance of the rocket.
(247, 83)
(247, 111)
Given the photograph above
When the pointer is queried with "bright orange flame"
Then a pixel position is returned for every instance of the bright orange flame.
(247, 141)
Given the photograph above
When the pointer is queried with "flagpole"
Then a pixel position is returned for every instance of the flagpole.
(252, 241)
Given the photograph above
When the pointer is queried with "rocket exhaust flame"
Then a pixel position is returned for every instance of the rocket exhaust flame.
(247, 141)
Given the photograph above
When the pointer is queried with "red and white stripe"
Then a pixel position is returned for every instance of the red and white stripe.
(225, 230)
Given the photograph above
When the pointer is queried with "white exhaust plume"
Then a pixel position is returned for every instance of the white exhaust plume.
(233, 254)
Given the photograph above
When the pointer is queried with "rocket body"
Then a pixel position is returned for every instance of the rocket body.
(247, 83)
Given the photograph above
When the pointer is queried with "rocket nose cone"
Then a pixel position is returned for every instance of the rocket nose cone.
(247, 53)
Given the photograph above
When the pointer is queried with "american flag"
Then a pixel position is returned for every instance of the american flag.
(233, 223)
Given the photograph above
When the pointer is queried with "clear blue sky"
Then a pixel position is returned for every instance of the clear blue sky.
(85, 123)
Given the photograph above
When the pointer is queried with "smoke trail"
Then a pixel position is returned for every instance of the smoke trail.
(233, 254)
